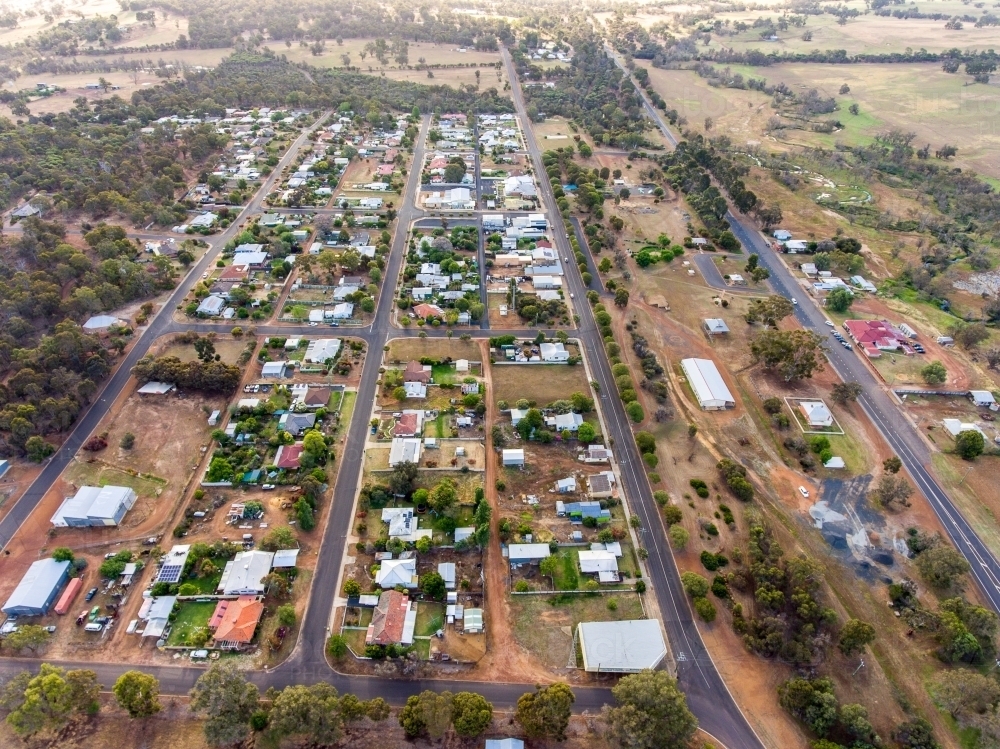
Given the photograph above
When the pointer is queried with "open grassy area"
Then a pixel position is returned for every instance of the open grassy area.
(567, 575)
(430, 618)
(542, 383)
(208, 584)
(98, 474)
(402, 350)
(544, 624)
(191, 616)
(465, 483)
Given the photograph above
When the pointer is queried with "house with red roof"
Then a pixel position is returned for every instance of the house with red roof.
(234, 273)
(385, 170)
(390, 156)
(415, 372)
(393, 620)
(543, 243)
(428, 310)
(236, 623)
(408, 425)
(288, 456)
(876, 336)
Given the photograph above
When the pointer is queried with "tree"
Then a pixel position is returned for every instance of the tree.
(635, 412)
(427, 714)
(891, 489)
(934, 373)
(792, 354)
(433, 586)
(840, 299)
(892, 465)
(48, 700)
(605, 265)
(854, 636)
(549, 566)
(336, 646)
(471, 714)
(812, 701)
(443, 496)
(621, 297)
(941, 566)
(970, 335)
(845, 392)
(651, 712)
(310, 713)
(138, 694)
(314, 445)
(544, 713)
(678, 536)
(286, 615)
(62, 554)
(400, 481)
(127, 441)
(769, 311)
(916, 733)
(586, 433)
(965, 693)
(281, 537)
(694, 584)
(227, 700)
(970, 444)
(27, 636)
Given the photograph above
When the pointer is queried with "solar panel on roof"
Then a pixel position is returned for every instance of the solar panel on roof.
(170, 573)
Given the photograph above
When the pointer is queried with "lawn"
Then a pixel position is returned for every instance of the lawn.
(335, 398)
(346, 412)
(443, 374)
(430, 618)
(207, 584)
(465, 483)
(356, 640)
(191, 616)
(542, 383)
(402, 350)
(567, 575)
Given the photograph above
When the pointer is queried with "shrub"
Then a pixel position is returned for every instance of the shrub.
(712, 562)
(772, 405)
(819, 443)
(672, 514)
(720, 589)
(651, 460)
(705, 609)
(661, 497)
(694, 584)
(127, 441)
(700, 487)
(727, 515)
(645, 441)
(710, 529)
(678, 536)
(635, 412)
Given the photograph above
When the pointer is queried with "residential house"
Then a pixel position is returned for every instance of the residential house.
(404, 450)
(415, 389)
(566, 485)
(982, 398)
(527, 553)
(393, 572)
(604, 564)
(235, 273)
(288, 457)
(577, 512)
(409, 424)
(601, 484)
(276, 369)
(816, 413)
(296, 423)
(393, 620)
(235, 622)
(342, 311)
(322, 350)
(716, 326)
(101, 323)
(417, 372)
(564, 422)
(554, 352)
(403, 524)
(516, 414)
(245, 574)
(425, 311)
(875, 336)
(596, 454)
(211, 306)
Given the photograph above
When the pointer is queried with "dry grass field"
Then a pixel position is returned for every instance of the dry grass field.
(920, 98)
(432, 54)
(542, 383)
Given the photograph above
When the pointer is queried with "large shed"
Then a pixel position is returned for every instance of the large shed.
(707, 383)
(621, 647)
(38, 588)
(95, 506)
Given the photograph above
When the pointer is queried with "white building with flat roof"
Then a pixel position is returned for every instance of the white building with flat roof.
(621, 647)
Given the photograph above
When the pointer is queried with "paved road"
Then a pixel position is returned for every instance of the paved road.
(707, 694)
(885, 413)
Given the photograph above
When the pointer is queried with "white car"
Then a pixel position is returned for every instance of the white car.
(313, 324)
(205, 274)
(794, 300)
(804, 492)
(572, 295)
(828, 323)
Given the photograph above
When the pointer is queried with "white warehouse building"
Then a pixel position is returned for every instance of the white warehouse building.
(707, 383)
(95, 506)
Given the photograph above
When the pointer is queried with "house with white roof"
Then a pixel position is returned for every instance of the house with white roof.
(816, 413)
(393, 572)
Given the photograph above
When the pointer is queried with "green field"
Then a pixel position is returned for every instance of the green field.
(191, 616)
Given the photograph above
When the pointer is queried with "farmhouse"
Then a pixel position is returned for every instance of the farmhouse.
(393, 620)
(621, 647)
(716, 326)
(982, 398)
(707, 384)
(235, 622)
(95, 506)
(816, 413)
(38, 588)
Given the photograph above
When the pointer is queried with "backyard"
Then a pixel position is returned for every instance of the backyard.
(192, 616)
